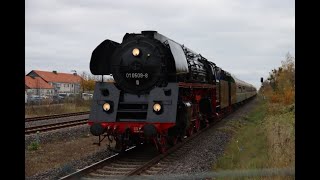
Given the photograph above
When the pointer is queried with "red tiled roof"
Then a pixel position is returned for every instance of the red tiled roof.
(36, 83)
(58, 77)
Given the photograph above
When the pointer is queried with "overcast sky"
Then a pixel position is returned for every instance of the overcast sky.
(245, 37)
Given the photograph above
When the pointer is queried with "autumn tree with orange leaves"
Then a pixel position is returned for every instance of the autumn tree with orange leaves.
(280, 85)
(88, 82)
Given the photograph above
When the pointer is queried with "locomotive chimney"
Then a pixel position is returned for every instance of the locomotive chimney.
(149, 34)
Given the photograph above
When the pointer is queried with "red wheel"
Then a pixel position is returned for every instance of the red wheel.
(197, 125)
(190, 130)
(172, 140)
(161, 143)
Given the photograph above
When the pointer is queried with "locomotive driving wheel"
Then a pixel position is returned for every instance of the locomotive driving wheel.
(120, 144)
(190, 130)
(172, 140)
(197, 125)
(204, 121)
(161, 143)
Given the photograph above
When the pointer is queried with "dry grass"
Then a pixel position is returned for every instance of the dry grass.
(55, 154)
(264, 139)
(279, 127)
(50, 109)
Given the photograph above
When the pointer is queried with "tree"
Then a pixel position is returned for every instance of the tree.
(280, 85)
(88, 82)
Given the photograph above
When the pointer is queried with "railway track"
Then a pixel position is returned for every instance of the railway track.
(55, 116)
(137, 162)
(53, 126)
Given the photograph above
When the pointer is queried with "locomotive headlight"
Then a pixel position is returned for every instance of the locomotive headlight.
(135, 52)
(106, 106)
(157, 107)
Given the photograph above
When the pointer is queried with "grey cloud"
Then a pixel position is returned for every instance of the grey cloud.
(247, 38)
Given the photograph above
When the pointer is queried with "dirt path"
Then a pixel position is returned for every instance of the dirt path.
(58, 153)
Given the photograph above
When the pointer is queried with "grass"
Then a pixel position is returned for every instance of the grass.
(50, 109)
(263, 139)
(34, 146)
(247, 143)
(279, 127)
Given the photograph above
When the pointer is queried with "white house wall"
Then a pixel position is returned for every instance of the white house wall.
(66, 87)
(43, 92)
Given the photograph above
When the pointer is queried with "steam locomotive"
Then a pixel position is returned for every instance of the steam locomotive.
(162, 91)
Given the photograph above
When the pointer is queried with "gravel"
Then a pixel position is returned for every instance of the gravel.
(59, 134)
(205, 149)
(72, 166)
(68, 133)
(201, 156)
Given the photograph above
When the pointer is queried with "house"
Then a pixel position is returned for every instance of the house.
(37, 86)
(61, 82)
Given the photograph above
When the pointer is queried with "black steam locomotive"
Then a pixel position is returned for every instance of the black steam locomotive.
(162, 91)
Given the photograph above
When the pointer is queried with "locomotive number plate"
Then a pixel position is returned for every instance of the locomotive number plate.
(137, 75)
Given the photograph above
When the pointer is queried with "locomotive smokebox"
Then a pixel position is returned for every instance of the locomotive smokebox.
(149, 130)
(96, 129)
